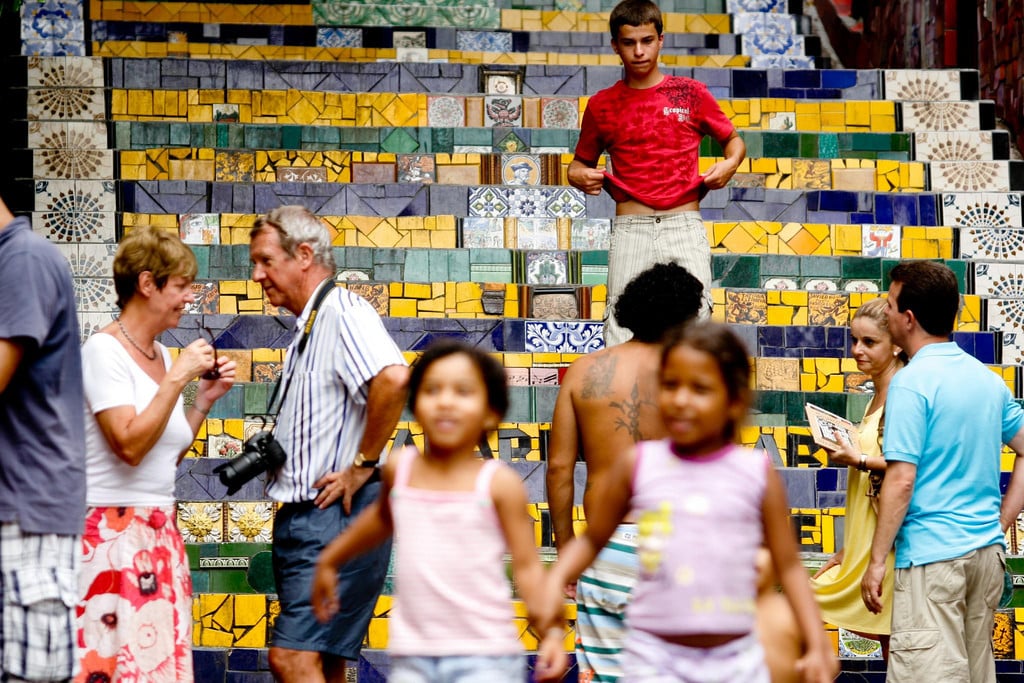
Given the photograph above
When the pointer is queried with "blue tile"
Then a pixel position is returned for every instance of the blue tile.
(209, 665)
(831, 499)
(838, 78)
(771, 335)
(828, 479)
(904, 210)
(802, 79)
(883, 209)
(244, 659)
(838, 200)
(837, 337)
(799, 336)
(749, 83)
(928, 209)
(799, 486)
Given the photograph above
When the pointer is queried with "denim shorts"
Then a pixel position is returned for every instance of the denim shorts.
(301, 532)
(458, 669)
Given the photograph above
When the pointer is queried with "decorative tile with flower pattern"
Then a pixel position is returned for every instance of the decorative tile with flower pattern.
(339, 37)
(919, 84)
(969, 176)
(446, 112)
(250, 522)
(939, 115)
(953, 146)
(563, 337)
(75, 211)
(981, 209)
(1007, 316)
(201, 522)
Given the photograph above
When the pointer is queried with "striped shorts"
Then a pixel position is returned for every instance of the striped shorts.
(39, 587)
(602, 594)
(640, 241)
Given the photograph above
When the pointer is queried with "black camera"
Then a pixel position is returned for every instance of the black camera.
(262, 452)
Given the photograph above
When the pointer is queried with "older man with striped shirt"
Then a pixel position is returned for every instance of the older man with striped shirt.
(343, 387)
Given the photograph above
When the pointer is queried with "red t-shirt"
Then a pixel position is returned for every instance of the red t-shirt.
(653, 136)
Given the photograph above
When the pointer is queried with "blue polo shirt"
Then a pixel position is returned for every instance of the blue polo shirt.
(949, 415)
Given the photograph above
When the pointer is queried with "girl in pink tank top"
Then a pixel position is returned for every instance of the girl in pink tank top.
(453, 516)
(703, 507)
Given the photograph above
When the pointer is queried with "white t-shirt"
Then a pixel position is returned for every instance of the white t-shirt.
(113, 379)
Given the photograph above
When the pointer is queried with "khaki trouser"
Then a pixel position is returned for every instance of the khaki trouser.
(641, 240)
(942, 619)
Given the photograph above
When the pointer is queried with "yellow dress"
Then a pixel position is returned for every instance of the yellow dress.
(838, 589)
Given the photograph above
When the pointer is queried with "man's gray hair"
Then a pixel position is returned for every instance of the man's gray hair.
(296, 224)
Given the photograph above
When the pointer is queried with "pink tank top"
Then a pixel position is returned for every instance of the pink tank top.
(452, 596)
(700, 525)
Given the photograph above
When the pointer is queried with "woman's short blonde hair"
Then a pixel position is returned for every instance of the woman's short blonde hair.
(161, 253)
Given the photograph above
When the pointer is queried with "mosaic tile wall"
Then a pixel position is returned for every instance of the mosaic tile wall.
(401, 124)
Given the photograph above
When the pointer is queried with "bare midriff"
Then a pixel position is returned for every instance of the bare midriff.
(632, 207)
(703, 640)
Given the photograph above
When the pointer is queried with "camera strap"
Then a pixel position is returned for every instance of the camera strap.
(277, 397)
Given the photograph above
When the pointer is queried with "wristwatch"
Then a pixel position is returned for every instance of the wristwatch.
(362, 461)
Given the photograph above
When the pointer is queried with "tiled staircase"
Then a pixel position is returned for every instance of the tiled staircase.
(400, 122)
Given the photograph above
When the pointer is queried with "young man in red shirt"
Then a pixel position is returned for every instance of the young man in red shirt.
(651, 125)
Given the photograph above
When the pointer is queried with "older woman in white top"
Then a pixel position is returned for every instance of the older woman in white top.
(135, 618)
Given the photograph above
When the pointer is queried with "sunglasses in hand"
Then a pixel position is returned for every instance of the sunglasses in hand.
(214, 372)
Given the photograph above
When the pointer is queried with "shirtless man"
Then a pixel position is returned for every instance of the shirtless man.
(608, 402)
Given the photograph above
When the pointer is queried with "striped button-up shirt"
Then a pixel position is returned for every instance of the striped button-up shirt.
(323, 415)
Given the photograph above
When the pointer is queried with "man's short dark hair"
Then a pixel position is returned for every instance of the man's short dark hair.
(634, 13)
(658, 299)
(930, 290)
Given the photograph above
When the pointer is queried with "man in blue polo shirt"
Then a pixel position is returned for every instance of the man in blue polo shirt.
(946, 417)
(42, 456)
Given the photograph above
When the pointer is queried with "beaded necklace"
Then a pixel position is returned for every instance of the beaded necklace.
(132, 342)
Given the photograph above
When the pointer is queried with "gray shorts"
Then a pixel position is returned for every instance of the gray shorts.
(39, 589)
(301, 531)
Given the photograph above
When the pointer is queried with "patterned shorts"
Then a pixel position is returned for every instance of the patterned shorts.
(39, 585)
(602, 594)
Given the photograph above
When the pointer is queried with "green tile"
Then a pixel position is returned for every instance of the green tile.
(236, 137)
(208, 134)
(256, 397)
(261, 573)
(809, 145)
(520, 400)
(498, 256)
(263, 137)
(242, 549)
(200, 581)
(399, 141)
(222, 135)
(819, 266)
(828, 146)
(458, 265)
(859, 268)
(739, 271)
(442, 140)
(153, 135)
(597, 258)
(202, 262)
(830, 401)
(781, 144)
(388, 272)
(773, 265)
(476, 137)
(856, 405)
(360, 257)
(229, 581)
(773, 402)
(123, 135)
(192, 551)
(208, 549)
(550, 137)
(291, 137)
(417, 265)
(959, 268)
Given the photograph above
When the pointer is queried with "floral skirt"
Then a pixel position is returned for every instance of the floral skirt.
(135, 614)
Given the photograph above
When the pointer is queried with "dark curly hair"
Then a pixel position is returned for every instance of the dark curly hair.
(491, 371)
(658, 299)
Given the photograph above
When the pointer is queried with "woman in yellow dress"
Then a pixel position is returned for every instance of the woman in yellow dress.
(837, 583)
